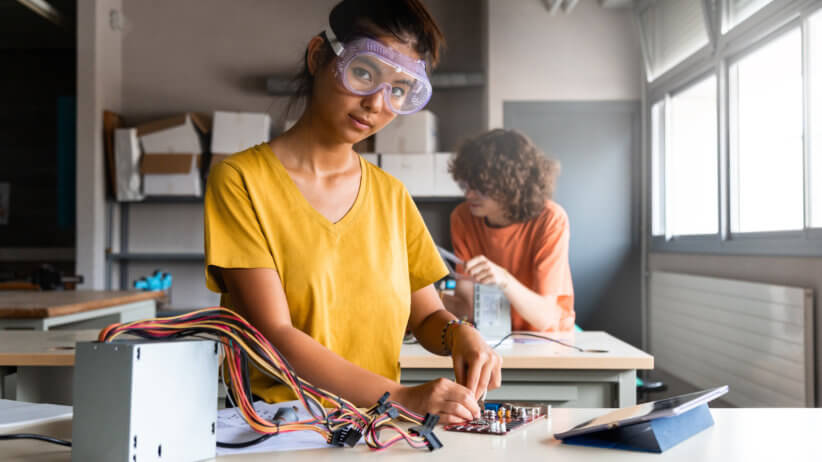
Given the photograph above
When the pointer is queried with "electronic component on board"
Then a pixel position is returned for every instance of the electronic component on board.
(500, 419)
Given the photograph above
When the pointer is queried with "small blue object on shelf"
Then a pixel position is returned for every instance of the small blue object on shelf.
(450, 284)
(160, 280)
(657, 435)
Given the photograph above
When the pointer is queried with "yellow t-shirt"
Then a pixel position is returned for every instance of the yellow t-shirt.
(349, 283)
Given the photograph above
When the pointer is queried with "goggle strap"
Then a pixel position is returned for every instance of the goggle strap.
(332, 40)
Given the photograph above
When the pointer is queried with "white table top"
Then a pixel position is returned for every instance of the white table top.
(739, 435)
(539, 354)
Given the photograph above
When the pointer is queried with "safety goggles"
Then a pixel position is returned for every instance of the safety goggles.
(365, 66)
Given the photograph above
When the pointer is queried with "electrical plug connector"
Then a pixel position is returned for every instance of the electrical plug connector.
(426, 431)
(346, 436)
(382, 404)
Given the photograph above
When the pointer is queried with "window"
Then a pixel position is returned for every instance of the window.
(672, 30)
(815, 126)
(657, 168)
(767, 168)
(691, 181)
(737, 11)
(736, 158)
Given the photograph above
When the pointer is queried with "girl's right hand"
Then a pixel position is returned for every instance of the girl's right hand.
(453, 402)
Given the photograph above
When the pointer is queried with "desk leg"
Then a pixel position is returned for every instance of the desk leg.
(139, 311)
(23, 324)
(45, 384)
(4, 371)
(626, 388)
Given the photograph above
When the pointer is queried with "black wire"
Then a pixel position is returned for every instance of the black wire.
(245, 444)
(550, 339)
(31, 436)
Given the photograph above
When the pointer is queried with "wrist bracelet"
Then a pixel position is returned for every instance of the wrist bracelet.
(450, 323)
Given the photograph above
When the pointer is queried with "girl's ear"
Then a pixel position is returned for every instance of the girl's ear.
(316, 49)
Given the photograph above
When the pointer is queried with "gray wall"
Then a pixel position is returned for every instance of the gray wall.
(597, 144)
(202, 55)
(789, 271)
(591, 53)
(206, 55)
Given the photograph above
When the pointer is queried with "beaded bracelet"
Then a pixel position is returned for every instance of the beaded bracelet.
(450, 323)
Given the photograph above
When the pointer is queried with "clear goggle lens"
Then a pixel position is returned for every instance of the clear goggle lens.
(404, 92)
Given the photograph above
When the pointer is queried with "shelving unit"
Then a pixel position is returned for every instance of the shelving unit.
(124, 256)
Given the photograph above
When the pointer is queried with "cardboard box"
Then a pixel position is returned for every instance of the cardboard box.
(172, 149)
(111, 122)
(127, 154)
(237, 131)
(171, 175)
(409, 134)
(444, 184)
(414, 171)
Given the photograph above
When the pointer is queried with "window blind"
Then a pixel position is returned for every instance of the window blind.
(672, 30)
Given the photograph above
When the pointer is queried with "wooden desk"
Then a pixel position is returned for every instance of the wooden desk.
(80, 309)
(739, 435)
(548, 372)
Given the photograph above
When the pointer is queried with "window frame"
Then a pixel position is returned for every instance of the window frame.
(764, 26)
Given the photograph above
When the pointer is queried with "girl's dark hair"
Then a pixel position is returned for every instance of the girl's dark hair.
(508, 167)
(407, 20)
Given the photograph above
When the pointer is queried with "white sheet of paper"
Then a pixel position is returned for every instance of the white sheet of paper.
(232, 428)
(14, 413)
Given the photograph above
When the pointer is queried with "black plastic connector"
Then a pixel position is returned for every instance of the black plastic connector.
(426, 430)
(393, 412)
(382, 404)
(352, 437)
(347, 436)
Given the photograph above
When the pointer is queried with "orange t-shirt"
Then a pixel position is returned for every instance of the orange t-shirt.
(534, 252)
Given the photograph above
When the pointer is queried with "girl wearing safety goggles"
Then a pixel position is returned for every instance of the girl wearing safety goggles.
(326, 254)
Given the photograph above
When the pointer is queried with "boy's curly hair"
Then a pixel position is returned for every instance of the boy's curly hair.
(506, 166)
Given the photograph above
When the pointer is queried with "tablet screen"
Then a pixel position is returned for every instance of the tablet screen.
(647, 411)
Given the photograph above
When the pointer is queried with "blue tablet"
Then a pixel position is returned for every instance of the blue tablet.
(645, 412)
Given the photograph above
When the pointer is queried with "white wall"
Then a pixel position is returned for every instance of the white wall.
(591, 53)
(99, 79)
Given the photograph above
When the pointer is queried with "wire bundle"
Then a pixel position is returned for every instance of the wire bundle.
(342, 425)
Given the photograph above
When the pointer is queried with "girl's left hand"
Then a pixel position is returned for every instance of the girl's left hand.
(484, 271)
(476, 365)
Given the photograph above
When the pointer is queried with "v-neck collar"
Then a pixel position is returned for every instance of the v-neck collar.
(296, 195)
